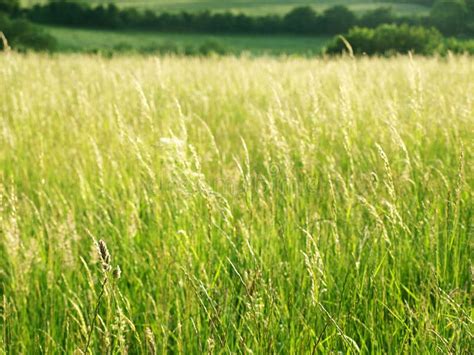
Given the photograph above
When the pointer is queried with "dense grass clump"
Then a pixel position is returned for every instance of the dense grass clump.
(264, 205)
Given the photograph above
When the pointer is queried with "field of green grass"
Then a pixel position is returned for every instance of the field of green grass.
(268, 205)
(83, 40)
(258, 7)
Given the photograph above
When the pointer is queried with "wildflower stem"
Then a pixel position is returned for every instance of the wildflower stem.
(96, 312)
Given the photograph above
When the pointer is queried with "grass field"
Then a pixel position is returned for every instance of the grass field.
(258, 7)
(77, 40)
(253, 205)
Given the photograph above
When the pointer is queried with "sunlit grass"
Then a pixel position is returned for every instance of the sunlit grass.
(265, 205)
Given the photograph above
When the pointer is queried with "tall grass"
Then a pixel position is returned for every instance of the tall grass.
(253, 205)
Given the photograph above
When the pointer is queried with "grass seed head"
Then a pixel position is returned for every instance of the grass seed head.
(150, 341)
(104, 255)
(117, 273)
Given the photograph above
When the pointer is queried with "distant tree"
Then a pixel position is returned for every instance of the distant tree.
(338, 19)
(9, 6)
(449, 16)
(61, 13)
(269, 24)
(244, 24)
(222, 23)
(470, 16)
(420, 2)
(470, 6)
(377, 17)
(113, 18)
(302, 20)
(131, 17)
(150, 20)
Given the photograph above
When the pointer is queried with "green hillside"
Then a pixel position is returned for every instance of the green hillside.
(84, 40)
(256, 6)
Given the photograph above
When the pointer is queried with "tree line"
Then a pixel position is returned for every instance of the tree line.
(452, 17)
(301, 20)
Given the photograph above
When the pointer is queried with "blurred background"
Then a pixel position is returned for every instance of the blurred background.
(270, 27)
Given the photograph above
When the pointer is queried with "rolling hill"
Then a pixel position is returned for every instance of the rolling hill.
(256, 6)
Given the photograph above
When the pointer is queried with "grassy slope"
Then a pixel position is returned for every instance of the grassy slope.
(70, 40)
(268, 205)
(83, 40)
(259, 6)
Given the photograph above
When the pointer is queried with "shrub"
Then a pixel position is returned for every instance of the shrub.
(212, 47)
(387, 39)
(22, 35)
(459, 47)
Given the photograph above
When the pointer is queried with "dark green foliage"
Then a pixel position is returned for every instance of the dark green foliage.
(417, 2)
(459, 47)
(377, 17)
(70, 13)
(9, 6)
(212, 47)
(23, 35)
(470, 7)
(338, 19)
(470, 16)
(67, 13)
(449, 16)
(301, 20)
(387, 39)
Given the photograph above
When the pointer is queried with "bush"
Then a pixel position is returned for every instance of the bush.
(22, 35)
(387, 39)
(212, 47)
(458, 47)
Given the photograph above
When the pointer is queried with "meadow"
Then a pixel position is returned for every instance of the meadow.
(253, 205)
(84, 40)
